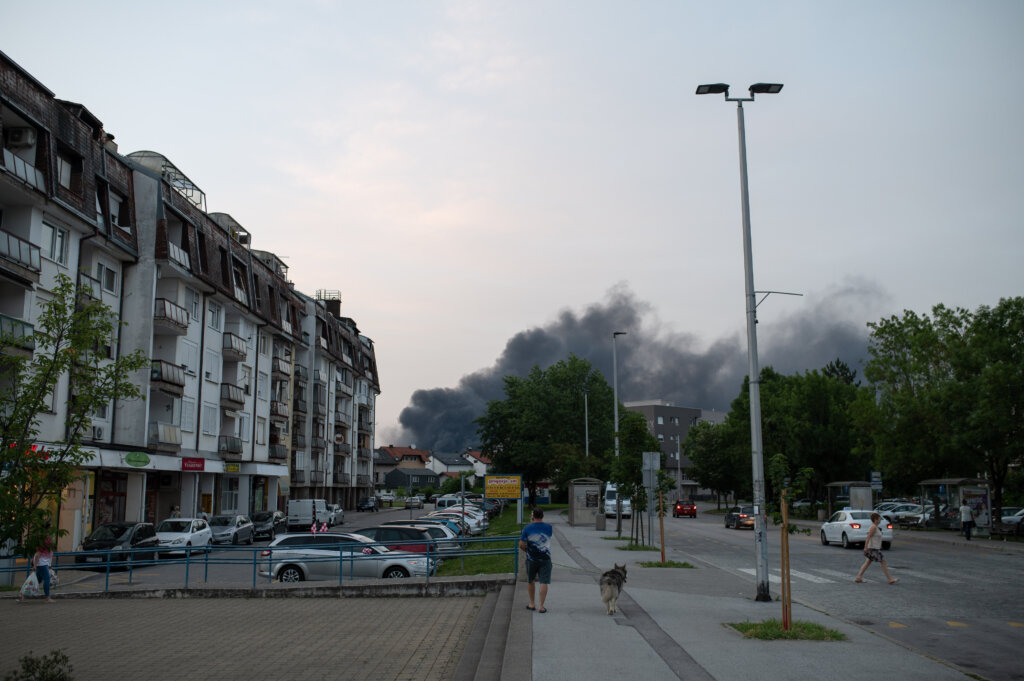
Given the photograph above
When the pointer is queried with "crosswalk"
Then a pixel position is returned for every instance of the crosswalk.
(826, 576)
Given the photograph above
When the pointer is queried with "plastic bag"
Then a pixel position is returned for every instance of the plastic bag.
(30, 587)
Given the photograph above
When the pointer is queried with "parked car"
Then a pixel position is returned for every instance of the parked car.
(177, 534)
(401, 538)
(450, 524)
(367, 504)
(413, 502)
(387, 497)
(446, 540)
(850, 528)
(684, 508)
(335, 514)
(132, 539)
(269, 524)
(300, 557)
(901, 512)
(232, 529)
(740, 516)
(1015, 519)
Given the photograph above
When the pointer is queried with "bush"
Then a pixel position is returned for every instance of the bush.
(52, 667)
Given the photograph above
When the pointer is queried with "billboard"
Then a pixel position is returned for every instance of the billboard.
(503, 486)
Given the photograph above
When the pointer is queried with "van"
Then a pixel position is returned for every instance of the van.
(302, 511)
(446, 501)
(611, 497)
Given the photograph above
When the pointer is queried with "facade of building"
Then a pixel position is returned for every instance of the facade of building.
(255, 392)
(408, 457)
(481, 463)
(450, 465)
(411, 478)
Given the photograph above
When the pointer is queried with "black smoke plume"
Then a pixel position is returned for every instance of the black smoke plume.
(653, 363)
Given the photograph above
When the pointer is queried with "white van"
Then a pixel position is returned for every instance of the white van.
(446, 501)
(301, 513)
(611, 496)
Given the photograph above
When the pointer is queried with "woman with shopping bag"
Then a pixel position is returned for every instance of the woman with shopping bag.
(41, 562)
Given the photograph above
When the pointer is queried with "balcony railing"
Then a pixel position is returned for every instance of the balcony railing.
(171, 315)
(363, 480)
(287, 326)
(278, 452)
(278, 410)
(363, 452)
(88, 286)
(233, 346)
(19, 251)
(229, 447)
(298, 477)
(316, 477)
(241, 296)
(171, 375)
(164, 436)
(318, 443)
(280, 365)
(342, 417)
(299, 441)
(22, 333)
(342, 478)
(342, 387)
(25, 170)
(320, 405)
(342, 448)
(300, 405)
(301, 372)
(176, 253)
(231, 396)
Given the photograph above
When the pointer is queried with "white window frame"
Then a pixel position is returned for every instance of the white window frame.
(243, 426)
(188, 414)
(213, 312)
(190, 356)
(211, 366)
(229, 494)
(54, 243)
(194, 302)
(261, 430)
(262, 381)
(211, 420)
(263, 344)
(103, 271)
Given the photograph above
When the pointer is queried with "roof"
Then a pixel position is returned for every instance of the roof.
(478, 456)
(451, 459)
(399, 453)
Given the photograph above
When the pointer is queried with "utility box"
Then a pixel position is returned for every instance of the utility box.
(584, 501)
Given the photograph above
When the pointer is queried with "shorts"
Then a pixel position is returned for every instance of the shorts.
(874, 555)
(538, 570)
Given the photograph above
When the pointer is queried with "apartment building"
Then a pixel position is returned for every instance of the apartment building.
(238, 355)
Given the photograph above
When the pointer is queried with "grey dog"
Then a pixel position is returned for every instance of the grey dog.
(611, 586)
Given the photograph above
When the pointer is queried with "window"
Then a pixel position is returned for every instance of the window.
(229, 495)
(190, 357)
(100, 413)
(193, 303)
(201, 250)
(213, 314)
(188, 414)
(120, 214)
(243, 426)
(107, 277)
(263, 344)
(211, 366)
(69, 171)
(210, 424)
(261, 386)
(247, 379)
(661, 420)
(99, 209)
(54, 244)
(261, 430)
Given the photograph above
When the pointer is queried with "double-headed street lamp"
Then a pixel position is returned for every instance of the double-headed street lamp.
(757, 460)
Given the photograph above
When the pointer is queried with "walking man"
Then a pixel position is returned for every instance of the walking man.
(966, 519)
(536, 541)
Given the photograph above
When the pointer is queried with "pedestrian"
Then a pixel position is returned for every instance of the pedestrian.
(873, 551)
(967, 516)
(175, 511)
(41, 561)
(536, 541)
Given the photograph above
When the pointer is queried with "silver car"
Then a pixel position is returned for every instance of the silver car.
(232, 529)
(317, 557)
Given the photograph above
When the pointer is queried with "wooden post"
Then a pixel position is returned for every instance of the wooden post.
(661, 524)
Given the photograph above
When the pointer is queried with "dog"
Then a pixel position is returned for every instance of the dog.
(611, 586)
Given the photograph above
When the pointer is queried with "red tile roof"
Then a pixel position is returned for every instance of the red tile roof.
(399, 453)
(479, 457)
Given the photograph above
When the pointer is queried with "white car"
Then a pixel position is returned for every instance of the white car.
(901, 512)
(475, 526)
(1014, 519)
(177, 534)
(335, 514)
(850, 528)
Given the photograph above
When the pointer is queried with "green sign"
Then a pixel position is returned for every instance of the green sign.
(137, 459)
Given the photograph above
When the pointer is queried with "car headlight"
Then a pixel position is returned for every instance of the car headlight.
(417, 561)
(179, 540)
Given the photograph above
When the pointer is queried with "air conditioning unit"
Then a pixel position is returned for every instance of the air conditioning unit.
(97, 432)
(20, 137)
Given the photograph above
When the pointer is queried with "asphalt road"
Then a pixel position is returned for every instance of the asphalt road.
(958, 603)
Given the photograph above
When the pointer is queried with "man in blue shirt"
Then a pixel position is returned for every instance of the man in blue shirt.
(536, 541)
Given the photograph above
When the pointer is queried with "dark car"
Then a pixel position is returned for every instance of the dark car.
(399, 538)
(269, 523)
(740, 516)
(367, 504)
(127, 541)
(684, 508)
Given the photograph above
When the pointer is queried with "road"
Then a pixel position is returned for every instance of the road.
(955, 602)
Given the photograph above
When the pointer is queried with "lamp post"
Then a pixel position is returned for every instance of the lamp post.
(615, 409)
(756, 455)
(586, 427)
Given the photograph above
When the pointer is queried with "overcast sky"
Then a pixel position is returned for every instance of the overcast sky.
(466, 171)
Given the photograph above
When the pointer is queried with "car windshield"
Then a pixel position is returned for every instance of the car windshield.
(174, 526)
(222, 520)
(747, 509)
(261, 516)
(110, 531)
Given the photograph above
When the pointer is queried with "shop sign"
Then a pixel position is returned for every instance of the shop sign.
(136, 459)
(502, 486)
(232, 468)
(193, 464)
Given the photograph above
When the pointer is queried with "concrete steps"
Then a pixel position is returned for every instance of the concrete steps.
(500, 646)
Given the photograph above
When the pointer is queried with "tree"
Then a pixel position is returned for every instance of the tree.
(716, 466)
(627, 469)
(538, 429)
(70, 336)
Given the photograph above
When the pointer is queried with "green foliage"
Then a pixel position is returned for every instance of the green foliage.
(54, 666)
(771, 630)
(666, 564)
(401, 492)
(538, 429)
(68, 362)
(454, 484)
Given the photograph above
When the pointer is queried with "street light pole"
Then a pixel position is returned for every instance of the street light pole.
(586, 426)
(756, 455)
(615, 408)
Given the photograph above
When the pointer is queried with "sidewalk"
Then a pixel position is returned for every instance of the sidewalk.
(671, 625)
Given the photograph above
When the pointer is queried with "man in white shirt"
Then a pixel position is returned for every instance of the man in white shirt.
(966, 519)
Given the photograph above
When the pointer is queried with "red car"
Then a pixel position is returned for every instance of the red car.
(684, 508)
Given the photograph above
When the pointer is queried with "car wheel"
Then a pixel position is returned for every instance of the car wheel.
(252, 538)
(273, 535)
(395, 573)
(886, 545)
(290, 574)
(234, 539)
(846, 541)
(824, 540)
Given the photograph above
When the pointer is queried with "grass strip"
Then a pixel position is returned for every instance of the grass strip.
(637, 547)
(771, 630)
(666, 564)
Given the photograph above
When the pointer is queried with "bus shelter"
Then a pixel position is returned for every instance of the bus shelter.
(942, 498)
(849, 493)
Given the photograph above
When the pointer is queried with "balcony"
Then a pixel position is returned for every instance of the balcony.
(234, 347)
(279, 411)
(170, 317)
(167, 377)
(88, 287)
(362, 480)
(300, 405)
(231, 396)
(19, 255)
(177, 254)
(281, 368)
(229, 447)
(364, 423)
(277, 452)
(316, 477)
(241, 296)
(24, 170)
(363, 453)
(342, 448)
(22, 334)
(318, 443)
(301, 372)
(343, 418)
(320, 405)
(298, 441)
(342, 387)
(298, 477)
(165, 437)
(342, 478)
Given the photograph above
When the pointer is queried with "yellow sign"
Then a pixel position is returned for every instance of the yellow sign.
(503, 486)
(231, 468)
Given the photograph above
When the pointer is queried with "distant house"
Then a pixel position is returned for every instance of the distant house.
(383, 463)
(450, 464)
(411, 478)
(481, 463)
(408, 457)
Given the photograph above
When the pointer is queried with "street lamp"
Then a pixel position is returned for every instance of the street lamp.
(757, 460)
(615, 407)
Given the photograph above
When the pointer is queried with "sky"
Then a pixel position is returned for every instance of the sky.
(494, 185)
